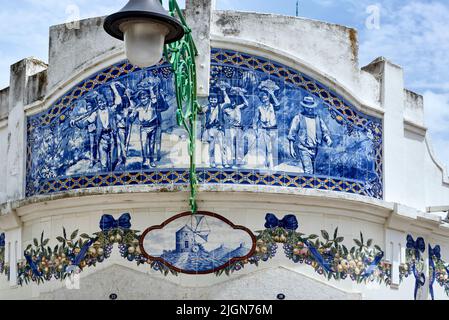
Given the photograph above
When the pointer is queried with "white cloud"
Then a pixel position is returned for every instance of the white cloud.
(437, 119)
(414, 35)
(25, 25)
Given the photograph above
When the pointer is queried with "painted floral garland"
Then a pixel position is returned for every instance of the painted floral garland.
(415, 265)
(362, 263)
(442, 273)
(75, 253)
(329, 258)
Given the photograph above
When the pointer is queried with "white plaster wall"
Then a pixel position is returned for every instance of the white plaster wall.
(260, 285)
(436, 179)
(71, 48)
(425, 181)
(414, 156)
(3, 149)
(414, 107)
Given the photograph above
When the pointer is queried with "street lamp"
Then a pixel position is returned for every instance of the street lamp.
(146, 27)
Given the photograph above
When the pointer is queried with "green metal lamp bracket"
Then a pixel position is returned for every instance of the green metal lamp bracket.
(181, 55)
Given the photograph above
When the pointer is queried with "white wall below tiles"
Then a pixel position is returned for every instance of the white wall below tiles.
(117, 275)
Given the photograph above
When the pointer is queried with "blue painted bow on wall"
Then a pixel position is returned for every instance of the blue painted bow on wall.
(289, 222)
(419, 245)
(108, 222)
(433, 252)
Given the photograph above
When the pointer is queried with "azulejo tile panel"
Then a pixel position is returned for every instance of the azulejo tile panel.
(197, 244)
(264, 124)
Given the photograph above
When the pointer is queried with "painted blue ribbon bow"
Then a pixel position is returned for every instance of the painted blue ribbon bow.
(2, 240)
(433, 252)
(108, 222)
(372, 267)
(318, 257)
(420, 280)
(419, 245)
(289, 222)
(77, 260)
(33, 266)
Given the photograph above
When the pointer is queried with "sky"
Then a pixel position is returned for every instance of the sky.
(413, 34)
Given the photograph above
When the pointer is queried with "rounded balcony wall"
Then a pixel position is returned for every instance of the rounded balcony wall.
(264, 124)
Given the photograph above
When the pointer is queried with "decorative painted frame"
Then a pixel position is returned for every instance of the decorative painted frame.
(200, 213)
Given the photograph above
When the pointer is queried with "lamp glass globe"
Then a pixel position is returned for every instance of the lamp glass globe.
(144, 42)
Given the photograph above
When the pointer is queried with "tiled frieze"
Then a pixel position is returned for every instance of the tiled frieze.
(263, 124)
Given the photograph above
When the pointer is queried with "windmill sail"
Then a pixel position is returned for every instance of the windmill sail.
(204, 237)
(201, 228)
(198, 220)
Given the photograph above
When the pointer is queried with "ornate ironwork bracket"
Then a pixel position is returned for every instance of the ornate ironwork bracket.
(181, 55)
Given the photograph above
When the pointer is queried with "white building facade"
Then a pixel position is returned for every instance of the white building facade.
(316, 176)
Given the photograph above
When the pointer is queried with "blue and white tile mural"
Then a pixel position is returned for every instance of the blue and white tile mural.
(263, 124)
(201, 243)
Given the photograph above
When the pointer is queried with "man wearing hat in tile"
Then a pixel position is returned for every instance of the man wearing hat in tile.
(214, 125)
(307, 132)
(89, 106)
(266, 122)
(103, 119)
(234, 138)
(148, 111)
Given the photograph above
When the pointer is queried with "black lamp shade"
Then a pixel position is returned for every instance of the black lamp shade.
(138, 10)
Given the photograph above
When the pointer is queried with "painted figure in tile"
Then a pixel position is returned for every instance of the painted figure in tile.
(214, 124)
(307, 132)
(148, 111)
(266, 123)
(121, 110)
(89, 106)
(103, 117)
(234, 135)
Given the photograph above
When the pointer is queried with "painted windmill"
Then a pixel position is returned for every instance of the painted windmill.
(190, 237)
(201, 231)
